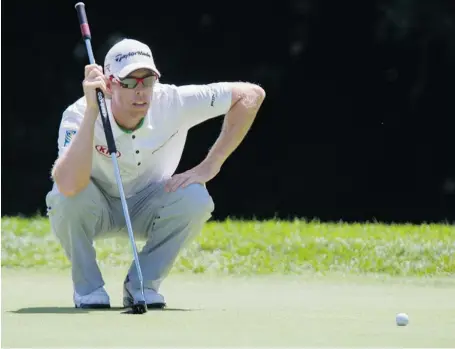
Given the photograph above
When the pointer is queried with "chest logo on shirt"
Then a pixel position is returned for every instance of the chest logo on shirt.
(103, 150)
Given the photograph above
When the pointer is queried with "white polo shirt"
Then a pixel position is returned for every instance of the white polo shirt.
(151, 153)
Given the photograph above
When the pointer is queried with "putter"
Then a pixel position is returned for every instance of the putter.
(140, 307)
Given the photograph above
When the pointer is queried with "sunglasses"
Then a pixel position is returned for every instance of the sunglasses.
(132, 82)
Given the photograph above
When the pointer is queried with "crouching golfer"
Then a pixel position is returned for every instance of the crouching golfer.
(150, 122)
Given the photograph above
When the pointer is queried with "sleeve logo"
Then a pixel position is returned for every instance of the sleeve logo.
(68, 136)
(212, 100)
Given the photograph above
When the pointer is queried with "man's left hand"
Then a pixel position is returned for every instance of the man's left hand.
(202, 173)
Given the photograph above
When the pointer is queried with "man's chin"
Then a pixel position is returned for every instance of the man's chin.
(139, 113)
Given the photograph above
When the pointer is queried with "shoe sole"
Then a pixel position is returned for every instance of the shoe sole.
(93, 306)
(156, 306)
(128, 303)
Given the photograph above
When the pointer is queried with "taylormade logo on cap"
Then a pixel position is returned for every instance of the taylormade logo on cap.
(127, 56)
(120, 56)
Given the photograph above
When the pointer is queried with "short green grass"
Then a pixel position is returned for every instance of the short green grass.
(229, 311)
(254, 247)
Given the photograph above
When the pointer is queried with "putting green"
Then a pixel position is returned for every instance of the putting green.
(37, 311)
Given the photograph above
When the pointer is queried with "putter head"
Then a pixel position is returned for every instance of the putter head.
(139, 308)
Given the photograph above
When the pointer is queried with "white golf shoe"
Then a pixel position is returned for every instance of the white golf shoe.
(153, 299)
(98, 299)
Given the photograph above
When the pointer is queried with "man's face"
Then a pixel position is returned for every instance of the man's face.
(131, 97)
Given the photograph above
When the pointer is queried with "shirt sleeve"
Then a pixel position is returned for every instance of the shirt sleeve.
(198, 103)
(69, 126)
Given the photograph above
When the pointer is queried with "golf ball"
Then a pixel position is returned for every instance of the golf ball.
(402, 319)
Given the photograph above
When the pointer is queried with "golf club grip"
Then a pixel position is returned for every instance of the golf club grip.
(83, 22)
(106, 124)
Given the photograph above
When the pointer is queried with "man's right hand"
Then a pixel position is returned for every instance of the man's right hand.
(94, 78)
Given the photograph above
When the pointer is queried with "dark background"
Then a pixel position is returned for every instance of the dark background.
(358, 122)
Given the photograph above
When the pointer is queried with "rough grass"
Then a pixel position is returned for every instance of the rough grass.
(253, 247)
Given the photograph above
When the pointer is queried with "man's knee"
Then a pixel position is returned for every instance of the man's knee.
(196, 200)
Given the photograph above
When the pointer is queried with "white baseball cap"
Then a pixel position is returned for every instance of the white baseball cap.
(127, 56)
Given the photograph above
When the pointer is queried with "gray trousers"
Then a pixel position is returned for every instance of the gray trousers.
(167, 221)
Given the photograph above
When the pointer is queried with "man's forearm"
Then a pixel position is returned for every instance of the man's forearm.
(72, 171)
(236, 125)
